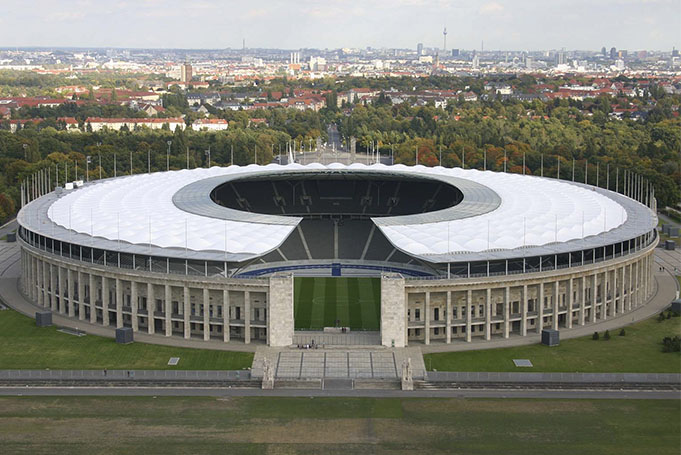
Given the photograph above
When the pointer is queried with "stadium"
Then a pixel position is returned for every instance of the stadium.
(357, 254)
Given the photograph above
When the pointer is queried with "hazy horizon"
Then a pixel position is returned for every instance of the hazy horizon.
(277, 24)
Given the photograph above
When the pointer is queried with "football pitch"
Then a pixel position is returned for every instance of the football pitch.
(320, 301)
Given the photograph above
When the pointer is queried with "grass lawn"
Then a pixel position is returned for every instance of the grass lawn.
(25, 346)
(319, 302)
(637, 352)
(169, 425)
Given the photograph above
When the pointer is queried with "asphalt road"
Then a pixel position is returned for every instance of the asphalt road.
(9, 227)
(221, 392)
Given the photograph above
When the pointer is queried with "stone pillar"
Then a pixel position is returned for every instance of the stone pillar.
(427, 318)
(32, 279)
(38, 292)
(93, 298)
(594, 296)
(133, 306)
(615, 286)
(604, 300)
(105, 300)
(570, 301)
(523, 312)
(648, 278)
(280, 317)
(47, 279)
(187, 314)
(540, 308)
(46, 284)
(630, 286)
(247, 317)
(582, 301)
(639, 287)
(393, 311)
(119, 303)
(72, 292)
(488, 314)
(626, 291)
(29, 285)
(53, 289)
(507, 311)
(448, 323)
(168, 297)
(556, 290)
(206, 314)
(59, 293)
(225, 314)
(469, 304)
(81, 296)
(151, 309)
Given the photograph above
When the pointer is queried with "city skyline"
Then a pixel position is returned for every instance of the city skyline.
(501, 24)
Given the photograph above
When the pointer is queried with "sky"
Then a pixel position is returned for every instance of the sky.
(217, 24)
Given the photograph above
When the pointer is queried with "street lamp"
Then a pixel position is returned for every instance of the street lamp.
(25, 152)
(208, 155)
(87, 168)
(100, 160)
(168, 156)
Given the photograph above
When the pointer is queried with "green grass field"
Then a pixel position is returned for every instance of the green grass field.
(273, 425)
(25, 346)
(639, 351)
(319, 302)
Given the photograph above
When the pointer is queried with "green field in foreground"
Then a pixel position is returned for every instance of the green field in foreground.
(637, 352)
(240, 425)
(319, 302)
(25, 346)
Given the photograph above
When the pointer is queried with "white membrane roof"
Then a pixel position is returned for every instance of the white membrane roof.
(534, 211)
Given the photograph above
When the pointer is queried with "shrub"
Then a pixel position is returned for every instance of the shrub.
(661, 317)
(671, 344)
(595, 336)
(606, 335)
(622, 333)
(669, 315)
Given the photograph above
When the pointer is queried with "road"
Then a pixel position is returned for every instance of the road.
(9, 227)
(225, 392)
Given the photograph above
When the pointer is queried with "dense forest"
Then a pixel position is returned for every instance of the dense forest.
(557, 130)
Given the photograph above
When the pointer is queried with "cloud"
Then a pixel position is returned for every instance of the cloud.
(256, 12)
(68, 15)
(491, 8)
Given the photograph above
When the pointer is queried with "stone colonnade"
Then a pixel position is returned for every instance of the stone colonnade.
(261, 310)
(161, 304)
(446, 310)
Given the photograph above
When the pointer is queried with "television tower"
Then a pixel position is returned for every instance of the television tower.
(444, 34)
